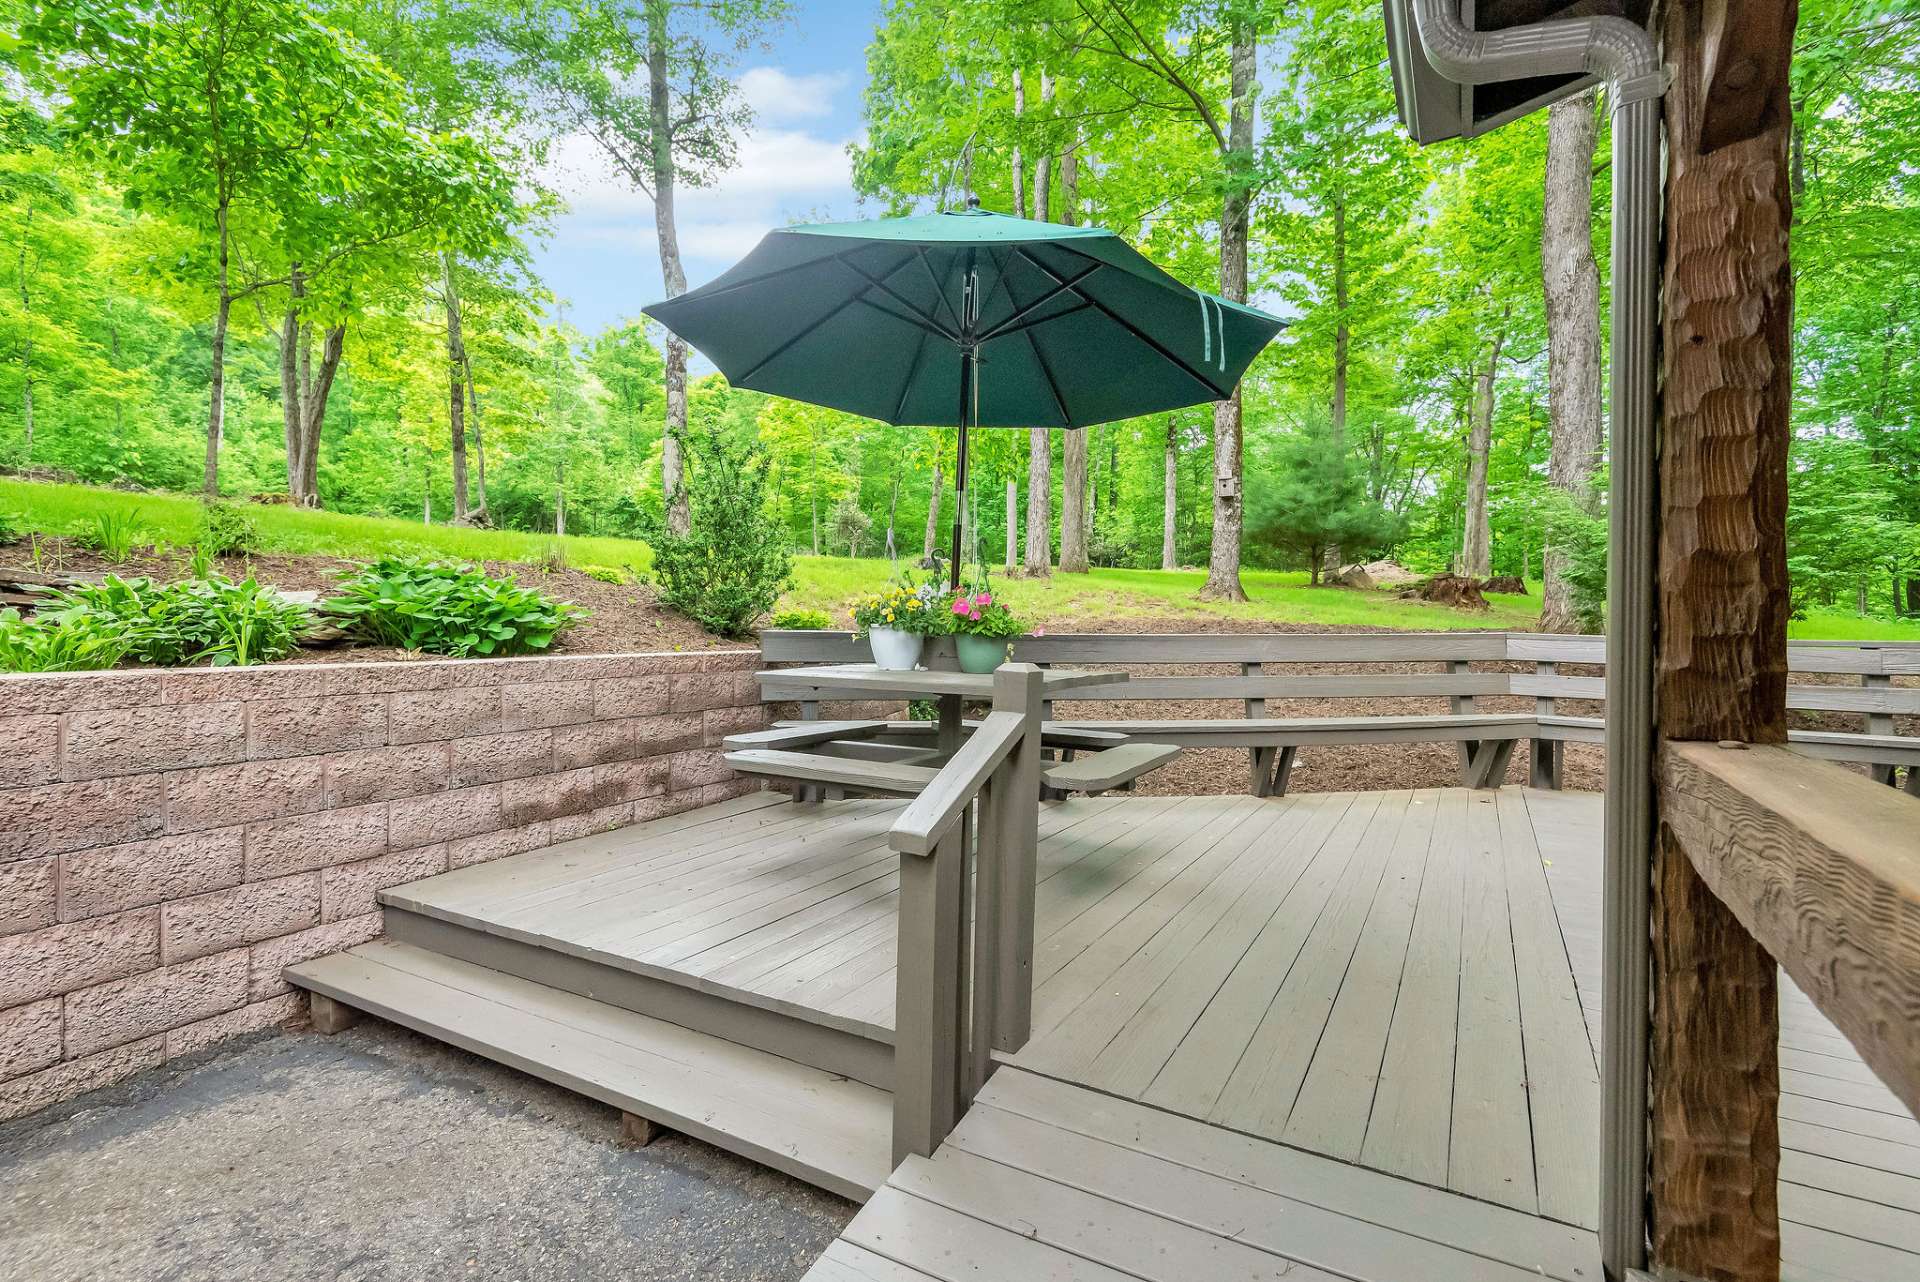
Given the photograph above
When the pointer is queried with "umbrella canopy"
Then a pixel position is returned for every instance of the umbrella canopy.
(1071, 326)
(967, 319)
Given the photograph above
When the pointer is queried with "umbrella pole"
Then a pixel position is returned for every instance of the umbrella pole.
(960, 471)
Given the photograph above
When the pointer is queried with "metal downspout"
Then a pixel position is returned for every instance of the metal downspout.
(1625, 54)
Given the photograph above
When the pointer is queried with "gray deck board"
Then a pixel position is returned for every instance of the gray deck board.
(1383, 1007)
(1047, 1180)
(1850, 1154)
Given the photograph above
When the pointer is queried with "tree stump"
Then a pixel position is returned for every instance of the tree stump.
(1449, 589)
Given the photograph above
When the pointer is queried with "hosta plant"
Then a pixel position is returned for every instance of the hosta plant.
(442, 607)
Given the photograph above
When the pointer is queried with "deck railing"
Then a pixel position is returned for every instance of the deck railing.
(968, 846)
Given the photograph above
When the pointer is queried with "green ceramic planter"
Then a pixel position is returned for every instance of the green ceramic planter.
(980, 654)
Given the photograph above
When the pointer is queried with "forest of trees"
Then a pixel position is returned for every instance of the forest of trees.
(273, 246)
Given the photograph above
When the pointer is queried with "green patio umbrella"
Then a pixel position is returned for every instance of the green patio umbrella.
(967, 319)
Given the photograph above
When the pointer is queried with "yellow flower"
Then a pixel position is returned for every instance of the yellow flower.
(889, 616)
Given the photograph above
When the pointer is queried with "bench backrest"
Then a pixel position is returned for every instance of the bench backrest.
(1455, 653)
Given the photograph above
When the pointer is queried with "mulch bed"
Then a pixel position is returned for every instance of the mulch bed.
(625, 617)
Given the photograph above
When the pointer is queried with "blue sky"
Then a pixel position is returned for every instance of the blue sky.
(805, 89)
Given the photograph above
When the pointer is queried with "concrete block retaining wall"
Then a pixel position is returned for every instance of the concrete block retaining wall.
(169, 841)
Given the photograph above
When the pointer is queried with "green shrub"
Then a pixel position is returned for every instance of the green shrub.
(448, 608)
(606, 573)
(13, 527)
(59, 645)
(212, 620)
(802, 620)
(112, 533)
(227, 529)
(733, 562)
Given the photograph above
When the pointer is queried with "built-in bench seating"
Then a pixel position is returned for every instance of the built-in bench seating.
(1468, 667)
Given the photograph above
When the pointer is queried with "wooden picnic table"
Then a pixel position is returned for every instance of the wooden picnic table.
(951, 689)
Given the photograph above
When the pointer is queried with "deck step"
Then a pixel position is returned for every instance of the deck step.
(827, 1130)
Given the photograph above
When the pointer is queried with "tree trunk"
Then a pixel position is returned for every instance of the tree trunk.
(1073, 502)
(1043, 167)
(479, 438)
(1476, 544)
(1019, 164)
(217, 380)
(1342, 337)
(673, 275)
(814, 507)
(560, 497)
(1720, 661)
(26, 346)
(893, 507)
(1039, 501)
(456, 389)
(1572, 286)
(1223, 568)
(1170, 508)
(933, 519)
(1013, 525)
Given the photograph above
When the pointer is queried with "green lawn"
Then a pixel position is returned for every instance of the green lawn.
(173, 518)
(829, 583)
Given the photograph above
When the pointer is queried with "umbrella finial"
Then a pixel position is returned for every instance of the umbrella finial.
(973, 202)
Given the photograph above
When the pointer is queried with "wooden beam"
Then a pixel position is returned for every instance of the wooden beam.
(1727, 335)
(1714, 1094)
(1720, 663)
(1822, 866)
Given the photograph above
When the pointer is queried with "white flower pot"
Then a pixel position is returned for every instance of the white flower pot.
(894, 650)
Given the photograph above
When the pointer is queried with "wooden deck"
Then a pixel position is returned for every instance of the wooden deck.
(1337, 1033)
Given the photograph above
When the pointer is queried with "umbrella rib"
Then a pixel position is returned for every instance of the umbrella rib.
(1218, 392)
(1006, 329)
(1064, 287)
(914, 321)
(913, 372)
(933, 279)
(880, 283)
(777, 352)
(1066, 419)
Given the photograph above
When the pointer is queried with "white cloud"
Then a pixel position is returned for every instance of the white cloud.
(781, 175)
(774, 95)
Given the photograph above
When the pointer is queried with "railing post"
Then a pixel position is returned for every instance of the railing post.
(1464, 703)
(1543, 769)
(927, 1025)
(1017, 687)
(1259, 760)
(1879, 723)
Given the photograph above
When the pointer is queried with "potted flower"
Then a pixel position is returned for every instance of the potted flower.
(896, 621)
(983, 628)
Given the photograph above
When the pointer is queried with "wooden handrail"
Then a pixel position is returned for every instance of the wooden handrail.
(930, 815)
(1822, 867)
(964, 983)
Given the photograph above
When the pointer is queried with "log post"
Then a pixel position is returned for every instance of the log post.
(1720, 664)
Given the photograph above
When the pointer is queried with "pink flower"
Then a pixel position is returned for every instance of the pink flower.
(1039, 632)
(960, 606)
(985, 598)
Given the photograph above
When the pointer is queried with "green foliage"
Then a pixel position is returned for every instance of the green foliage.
(112, 533)
(13, 527)
(1582, 537)
(731, 565)
(79, 644)
(903, 606)
(977, 611)
(801, 620)
(606, 573)
(227, 529)
(212, 620)
(1315, 499)
(454, 609)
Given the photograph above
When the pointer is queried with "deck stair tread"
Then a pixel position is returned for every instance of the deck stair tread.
(817, 1126)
